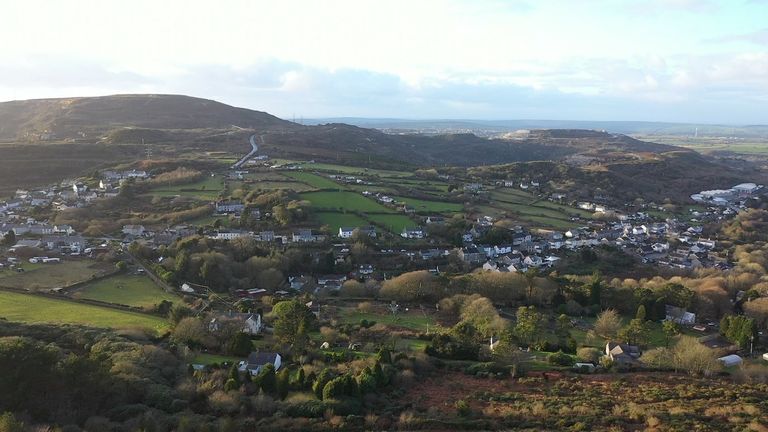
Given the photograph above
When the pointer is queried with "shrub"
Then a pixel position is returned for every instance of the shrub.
(462, 408)
(560, 358)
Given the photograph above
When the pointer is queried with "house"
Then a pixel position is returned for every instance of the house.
(231, 234)
(66, 244)
(413, 233)
(365, 269)
(305, 235)
(257, 360)
(250, 323)
(331, 281)
(622, 354)
(435, 220)
(63, 229)
(79, 188)
(32, 243)
(471, 254)
(346, 232)
(229, 207)
(134, 230)
(267, 236)
(679, 315)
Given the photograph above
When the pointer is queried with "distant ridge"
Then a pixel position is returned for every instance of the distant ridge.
(88, 116)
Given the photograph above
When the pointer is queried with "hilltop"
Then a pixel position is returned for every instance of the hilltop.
(92, 117)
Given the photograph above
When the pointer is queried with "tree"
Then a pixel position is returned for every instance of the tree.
(178, 312)
(181, 264)
(121, 266)
(528, 325)
(689, 355)
(8, 423)
(738, 329)
(607, 324)
(595, 288)
(283, 383)
(9, 239)
(267, 379)
(530, 279)
(191, 331)
(293, 320)
(484, 317)
(671, 329)
(239, 344)
(640, 313)
(635, 333)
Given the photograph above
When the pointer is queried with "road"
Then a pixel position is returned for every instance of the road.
(252, 153)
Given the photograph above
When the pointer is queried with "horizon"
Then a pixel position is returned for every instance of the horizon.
(674, 61)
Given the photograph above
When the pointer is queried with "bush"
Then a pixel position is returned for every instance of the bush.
(589, 354)
(560, 358)
(310, 408)
(462, 408)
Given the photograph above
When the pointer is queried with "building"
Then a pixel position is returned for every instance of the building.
(257, 360)
(250, 323)
(230, 207)
(134, 230)
(413, 233)
(622, 354)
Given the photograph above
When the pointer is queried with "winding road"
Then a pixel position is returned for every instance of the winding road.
(252, 153)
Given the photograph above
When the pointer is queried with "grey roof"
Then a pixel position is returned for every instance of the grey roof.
(261, 358)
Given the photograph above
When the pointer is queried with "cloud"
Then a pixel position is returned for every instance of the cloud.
(759, 37)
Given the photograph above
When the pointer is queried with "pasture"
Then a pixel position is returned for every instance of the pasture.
(30, 308)
(314, 180)
(207, 189)
(393, 222)
(335, 220)
(47, 276)
(431, 206)
(343, 201)
(129, 290)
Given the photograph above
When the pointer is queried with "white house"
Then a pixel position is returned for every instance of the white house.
(412, 233)
(346, 232)
(134, 230)
(230, 207)
(256, 361)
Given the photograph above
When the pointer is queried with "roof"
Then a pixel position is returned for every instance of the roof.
(261, 358)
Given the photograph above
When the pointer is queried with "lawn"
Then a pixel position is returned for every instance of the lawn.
(314, 180)
(47, 276)
(344, 169)
(37, 309)
(206, 189)
(344, 201)
(129, 290)
(414, 320)
(335, 220)
(206, 359)
(394, 222)
(431, 206)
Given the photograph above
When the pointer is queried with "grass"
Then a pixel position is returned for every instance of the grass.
(313, 180)
(344, 201)
(129, 290)
(414, 320)
(393, 222)
(206, 189)
(47, 276)
(206, 359)
(335, 220)
(431, 206)
(36, 309)
(344, 169)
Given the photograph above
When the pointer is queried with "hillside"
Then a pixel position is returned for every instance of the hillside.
(92, 117)
(111, 129)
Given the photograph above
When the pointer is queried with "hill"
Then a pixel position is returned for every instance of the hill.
(91, 117)
(50, 139)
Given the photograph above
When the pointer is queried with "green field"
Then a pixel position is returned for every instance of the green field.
(344, 201)
(344, 169)
(129, 290)
(431, 206)
(336, 220)
(205, 189)
(36, 309)
(393, 222)
(413, 320)
(313, 180)
(206, 359)
(47, 276)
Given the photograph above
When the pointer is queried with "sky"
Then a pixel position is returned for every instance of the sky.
(703, 61)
